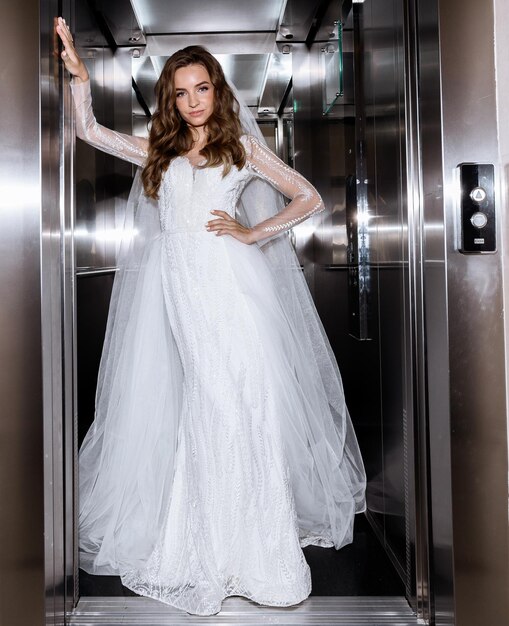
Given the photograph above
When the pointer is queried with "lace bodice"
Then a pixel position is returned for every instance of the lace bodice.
(189, 193)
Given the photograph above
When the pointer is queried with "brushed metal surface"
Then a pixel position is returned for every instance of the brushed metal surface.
(57, 284)
(377, 374)
(102, 189)
(502, 70)
(433, 267)
(122, 22)
(227, 43)
(419, 539)
(36, 337)
(383, 75)
(95, 220)
(21, 424)
(157, 16)
(68, 213)
(298, 18)
(475, 314)
(341, 611)
(145, 74)
(102, 181)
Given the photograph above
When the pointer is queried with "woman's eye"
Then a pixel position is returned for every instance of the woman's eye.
(180, 93)
(201, 89)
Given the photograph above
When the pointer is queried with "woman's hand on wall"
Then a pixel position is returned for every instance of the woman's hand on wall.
(70, 57)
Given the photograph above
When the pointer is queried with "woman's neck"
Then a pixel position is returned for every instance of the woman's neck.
(200, 139)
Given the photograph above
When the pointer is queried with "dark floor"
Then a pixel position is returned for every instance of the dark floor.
(359, 569)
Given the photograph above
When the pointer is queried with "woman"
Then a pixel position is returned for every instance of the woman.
(221, 443)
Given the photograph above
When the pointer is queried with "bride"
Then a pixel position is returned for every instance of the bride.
(221, 444)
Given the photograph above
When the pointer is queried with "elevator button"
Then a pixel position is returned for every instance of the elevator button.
(479, 219)
(478, 194)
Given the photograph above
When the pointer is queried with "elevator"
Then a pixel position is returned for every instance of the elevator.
(394, 110)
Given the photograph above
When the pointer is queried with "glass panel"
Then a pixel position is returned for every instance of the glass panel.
(332, 60)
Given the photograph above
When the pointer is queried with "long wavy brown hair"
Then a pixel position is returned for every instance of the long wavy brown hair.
(170, 135)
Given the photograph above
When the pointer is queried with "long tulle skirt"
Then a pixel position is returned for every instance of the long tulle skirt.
(216, 456)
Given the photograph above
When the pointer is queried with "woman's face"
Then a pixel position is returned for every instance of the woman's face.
(194, 94)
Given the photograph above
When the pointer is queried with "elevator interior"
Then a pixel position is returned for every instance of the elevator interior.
(416, 326)
(277, 54)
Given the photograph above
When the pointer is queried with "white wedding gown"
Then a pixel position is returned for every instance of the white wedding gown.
(223, 498)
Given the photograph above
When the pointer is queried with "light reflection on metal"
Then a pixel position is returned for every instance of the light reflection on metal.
(106, 235)
(357, 205)
(358, 257)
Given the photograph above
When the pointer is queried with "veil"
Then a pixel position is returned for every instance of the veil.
(118, 532)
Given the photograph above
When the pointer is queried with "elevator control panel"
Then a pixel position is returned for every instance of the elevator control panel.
(477, 208)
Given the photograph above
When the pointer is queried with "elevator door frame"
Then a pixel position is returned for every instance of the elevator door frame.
(381, 610)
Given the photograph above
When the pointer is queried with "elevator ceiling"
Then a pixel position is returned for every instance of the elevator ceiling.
(242, 34)
(196, 16)
(257, 76)
(248, 72)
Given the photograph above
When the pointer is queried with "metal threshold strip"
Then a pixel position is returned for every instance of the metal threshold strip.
(316, 610)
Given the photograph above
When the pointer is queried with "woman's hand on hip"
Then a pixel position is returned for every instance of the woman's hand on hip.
(70, 57)
(227, 225)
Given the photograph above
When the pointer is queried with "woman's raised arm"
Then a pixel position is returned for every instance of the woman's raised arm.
(305, 199)
(127, 147)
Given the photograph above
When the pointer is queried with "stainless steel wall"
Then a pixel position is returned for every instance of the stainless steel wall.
(381, 64)
(502, 72)
(102, 185)
(102, 188)
(34, 284)
(435, 365)
(438, 344)
(378, 373)
(21, 425)
(432, 266)
(465, 374)
(475, 323)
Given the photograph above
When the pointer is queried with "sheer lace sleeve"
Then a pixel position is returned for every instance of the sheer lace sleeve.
(127, 147)
(305, 199)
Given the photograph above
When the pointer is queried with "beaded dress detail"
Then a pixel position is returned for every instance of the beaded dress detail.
(225, 495)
